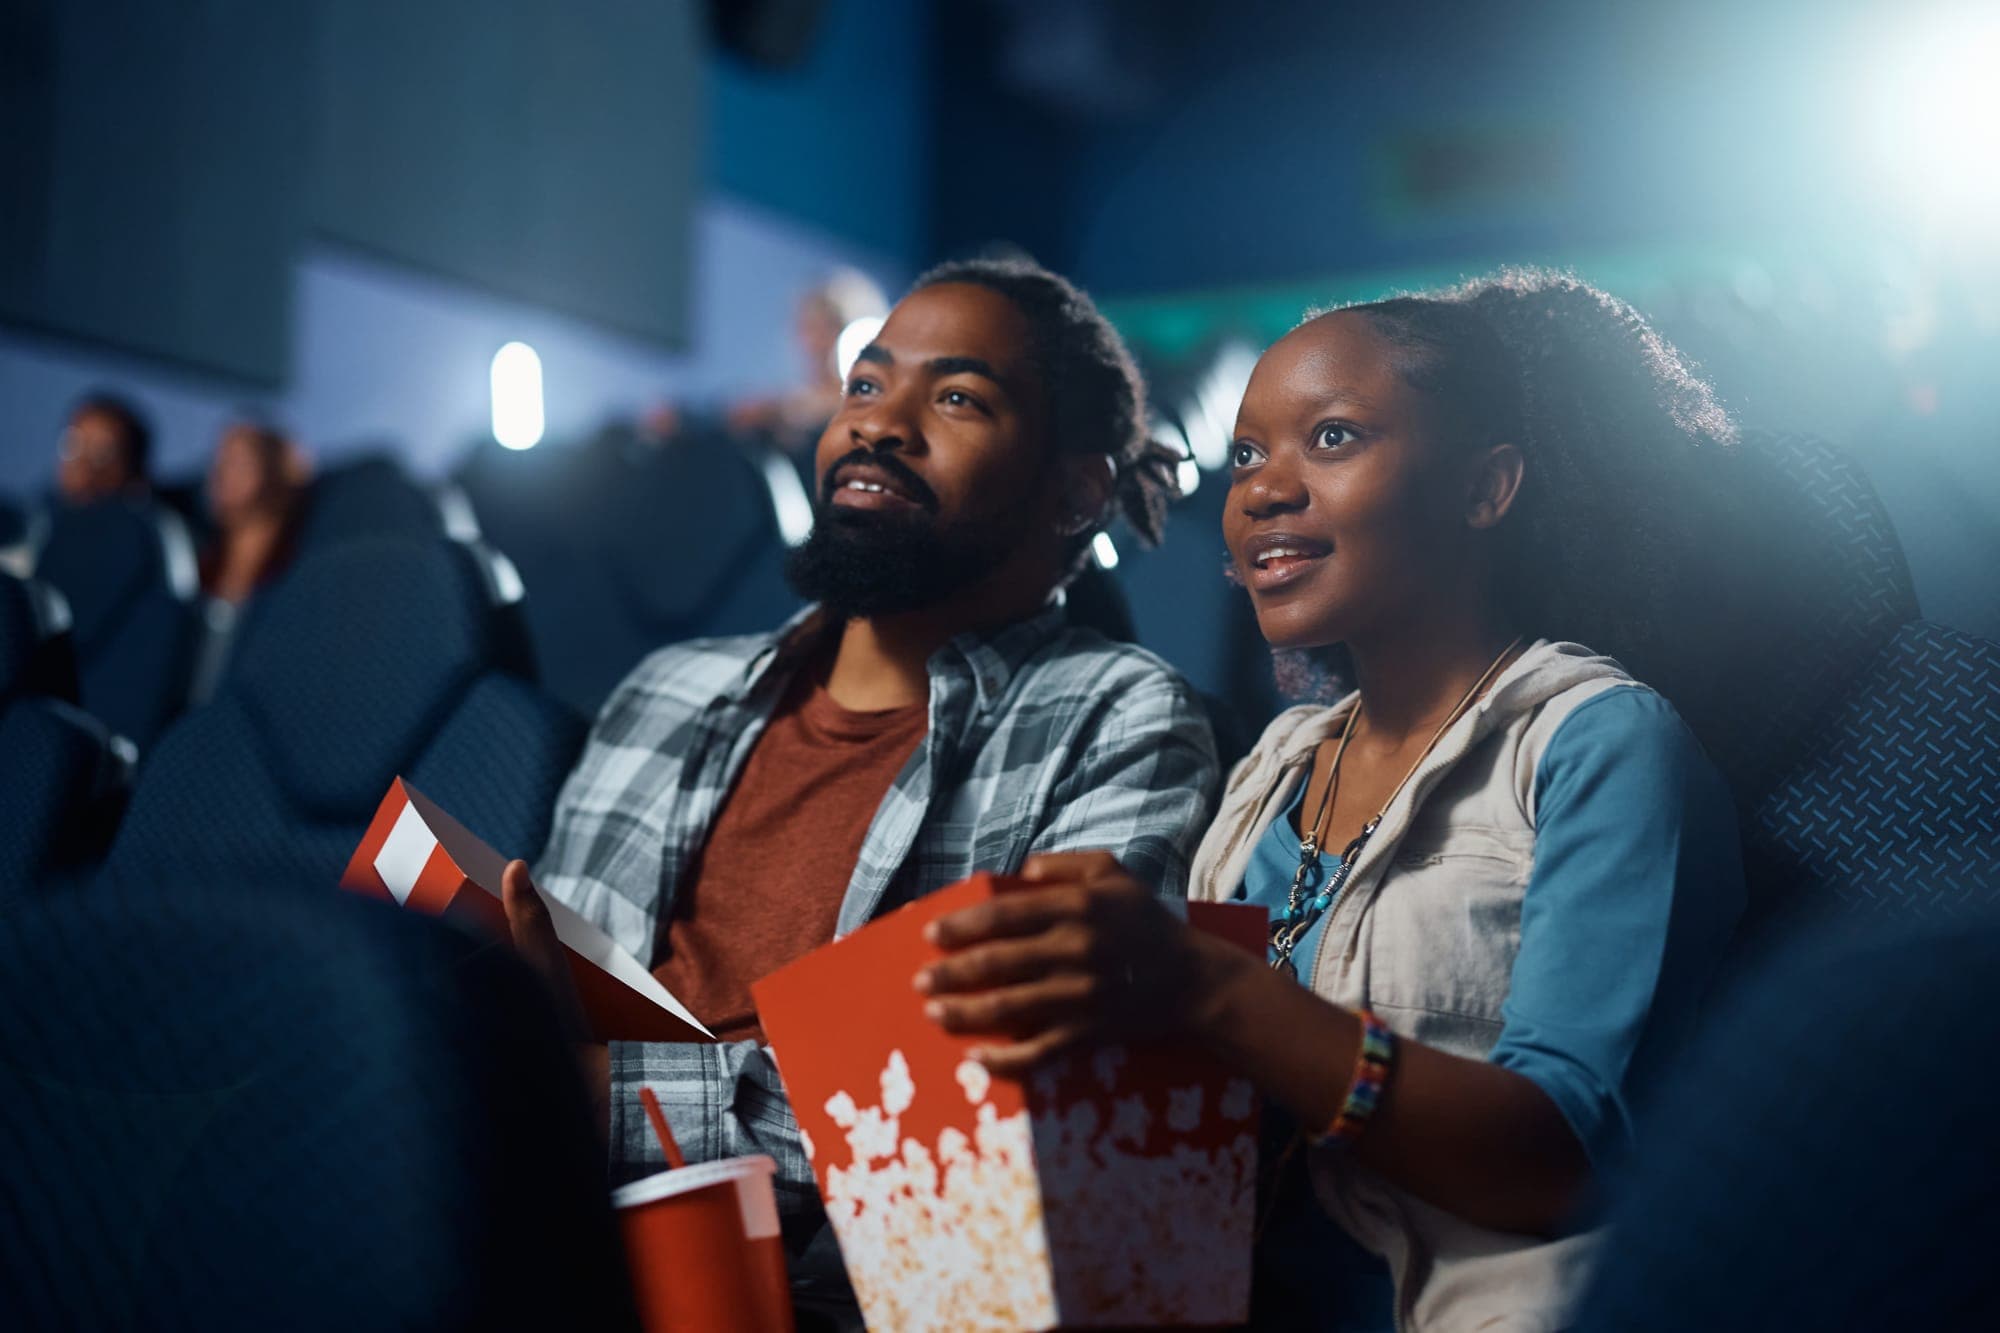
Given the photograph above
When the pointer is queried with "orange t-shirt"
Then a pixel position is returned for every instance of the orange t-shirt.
(766, 888)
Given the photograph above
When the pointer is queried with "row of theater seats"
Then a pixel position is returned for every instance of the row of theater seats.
(1859, 738)
(207, 1011)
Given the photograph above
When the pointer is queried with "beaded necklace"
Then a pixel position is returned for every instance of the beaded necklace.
(1301, 912)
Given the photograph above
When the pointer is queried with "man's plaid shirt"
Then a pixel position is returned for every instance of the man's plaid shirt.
(1042, 738)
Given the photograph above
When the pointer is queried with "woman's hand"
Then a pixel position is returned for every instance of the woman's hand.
(1090, 953)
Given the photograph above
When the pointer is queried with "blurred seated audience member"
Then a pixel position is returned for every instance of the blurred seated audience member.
(105, 450)
(793, 419)
(256, 492)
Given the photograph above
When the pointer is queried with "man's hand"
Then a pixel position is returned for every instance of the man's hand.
(1092, 955)
(535, 939)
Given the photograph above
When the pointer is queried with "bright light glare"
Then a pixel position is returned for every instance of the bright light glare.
(1936, 126)
(853, 338)
(517, 396)
(1188, 473)
(1106, 553)
(1210, 416)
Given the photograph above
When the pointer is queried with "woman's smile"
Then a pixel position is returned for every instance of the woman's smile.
(1274, 560)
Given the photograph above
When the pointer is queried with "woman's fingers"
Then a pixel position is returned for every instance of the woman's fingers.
(1006, 915)
(1005, 962)
(1019, 1059)
(1067, 997)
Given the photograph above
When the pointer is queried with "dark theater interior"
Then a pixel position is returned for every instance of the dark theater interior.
(560, 558)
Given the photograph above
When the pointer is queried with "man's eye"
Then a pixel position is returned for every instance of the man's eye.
(1243, 454)
(855, 388)
(1331, 436)
(960, 398)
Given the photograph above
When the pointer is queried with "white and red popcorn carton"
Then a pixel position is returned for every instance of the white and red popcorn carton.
(417, 855)
(1115, 1187)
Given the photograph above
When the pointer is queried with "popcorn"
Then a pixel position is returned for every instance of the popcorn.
(974, 1078)
(896, 1086)
(1115, 1186)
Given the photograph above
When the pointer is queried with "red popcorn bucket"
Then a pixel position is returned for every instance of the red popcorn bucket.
(702, 1243)
(1117, 1186)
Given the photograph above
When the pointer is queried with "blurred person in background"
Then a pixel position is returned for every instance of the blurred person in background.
(792, 420)
(1461, 1012)
(743, 801)
(105, 450)
(256, 493)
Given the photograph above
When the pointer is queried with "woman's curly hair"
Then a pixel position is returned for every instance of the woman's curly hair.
(1617, 433)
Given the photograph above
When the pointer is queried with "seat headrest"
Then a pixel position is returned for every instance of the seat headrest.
(107, 557)
(369, 496)
(1813, 582)
(35, 651)
(356, 658)
(683, 525)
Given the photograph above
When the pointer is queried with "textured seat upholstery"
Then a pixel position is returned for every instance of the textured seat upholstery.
(64, 776)
(226, 1108)
(369, 496)
(1893, 804)
(127, 571)
(375, 659)
(1787, 1185)
(1799, 589)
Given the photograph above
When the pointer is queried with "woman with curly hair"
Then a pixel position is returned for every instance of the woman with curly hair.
(1500, 870)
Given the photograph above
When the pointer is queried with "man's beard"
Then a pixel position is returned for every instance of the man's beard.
(860, 563)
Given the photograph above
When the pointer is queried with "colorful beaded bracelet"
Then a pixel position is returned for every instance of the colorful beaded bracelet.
(1371, 1073)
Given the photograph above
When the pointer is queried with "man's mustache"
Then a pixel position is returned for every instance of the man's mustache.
(912, 485)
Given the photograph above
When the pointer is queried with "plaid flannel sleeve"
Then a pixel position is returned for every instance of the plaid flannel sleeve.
(1143, 787)
(722, 1100)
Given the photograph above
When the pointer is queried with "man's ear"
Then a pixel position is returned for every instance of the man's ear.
(1495, 481)
(1083, 484)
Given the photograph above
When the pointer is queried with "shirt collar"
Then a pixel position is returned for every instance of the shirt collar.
(990, 657)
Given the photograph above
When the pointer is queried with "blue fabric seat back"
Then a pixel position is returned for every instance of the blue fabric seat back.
(226, 1108)
(37, 652)
(1786, 1184)
(627, 546)
(62, 787)
(1893, 806)
(369, 496)
(378, 658)
(1794, 583)
(127, 572)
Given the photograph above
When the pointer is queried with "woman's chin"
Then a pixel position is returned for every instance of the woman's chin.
(1286, 633)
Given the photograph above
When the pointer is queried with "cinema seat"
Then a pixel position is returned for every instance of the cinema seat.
(1862, 741)
(379, 658)
(227, 1107)
(626, 546)
(1819, 1162)
(127, 571)
(65, 777)
(369, 496)
(1892, 807)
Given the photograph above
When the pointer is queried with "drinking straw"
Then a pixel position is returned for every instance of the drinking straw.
(652, 1103)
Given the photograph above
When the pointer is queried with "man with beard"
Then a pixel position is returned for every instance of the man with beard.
(743, 801)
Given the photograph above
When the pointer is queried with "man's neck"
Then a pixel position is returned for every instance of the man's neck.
(883, 662)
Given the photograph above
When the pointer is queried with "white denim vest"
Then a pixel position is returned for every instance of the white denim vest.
(1425, 934)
